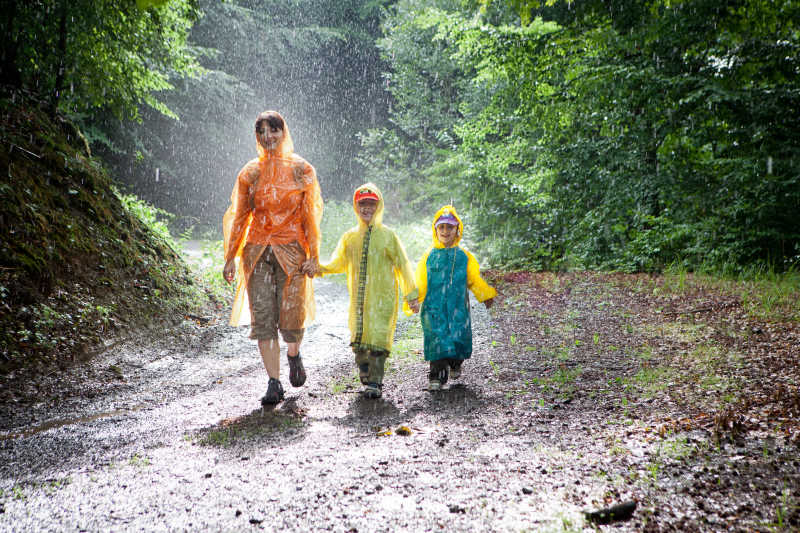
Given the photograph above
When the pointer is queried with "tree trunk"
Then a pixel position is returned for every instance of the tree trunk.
(9, 72)
(61, 54)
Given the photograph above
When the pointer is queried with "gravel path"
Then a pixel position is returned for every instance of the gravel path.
(169, 435)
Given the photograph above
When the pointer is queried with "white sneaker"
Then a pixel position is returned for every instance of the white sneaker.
(434, 384)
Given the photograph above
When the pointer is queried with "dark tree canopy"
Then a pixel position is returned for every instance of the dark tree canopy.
(586, 134)
(622, 135)
(88, 55)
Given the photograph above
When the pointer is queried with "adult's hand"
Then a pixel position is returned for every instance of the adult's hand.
(229, 271)
(310, 267)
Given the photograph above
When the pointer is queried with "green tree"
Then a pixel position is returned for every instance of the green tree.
(90, 55)
(312, 60)
(596, 134)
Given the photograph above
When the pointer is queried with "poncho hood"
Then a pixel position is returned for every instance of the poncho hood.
(452, 211)
(377, 218)
(286, 147)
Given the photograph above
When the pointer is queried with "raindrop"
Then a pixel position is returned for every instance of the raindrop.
(769, 164)
(158, 171)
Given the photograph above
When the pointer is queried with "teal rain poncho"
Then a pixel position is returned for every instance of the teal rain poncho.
(443, 276)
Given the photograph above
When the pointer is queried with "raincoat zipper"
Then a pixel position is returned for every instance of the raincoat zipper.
(362, 285)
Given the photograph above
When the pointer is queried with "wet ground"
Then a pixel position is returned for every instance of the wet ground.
(168, 434)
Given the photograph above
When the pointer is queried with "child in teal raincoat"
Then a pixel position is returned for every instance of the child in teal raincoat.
(443, 276)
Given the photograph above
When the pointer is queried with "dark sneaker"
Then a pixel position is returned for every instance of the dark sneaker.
(455, 372)
(443, 373)
(373, 391)
(363, 373)
(297, 374)
(274, 393)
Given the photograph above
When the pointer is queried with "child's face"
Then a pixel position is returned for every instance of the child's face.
(446, 233)
(366, 209)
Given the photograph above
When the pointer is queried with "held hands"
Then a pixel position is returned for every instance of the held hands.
(229, 271)
(414, 305)
(488, 303)
(310, 267)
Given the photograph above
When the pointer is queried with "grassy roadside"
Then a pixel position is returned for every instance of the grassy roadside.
(688, 384)
(79, 262)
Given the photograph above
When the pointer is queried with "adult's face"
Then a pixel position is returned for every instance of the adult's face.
(269, 136)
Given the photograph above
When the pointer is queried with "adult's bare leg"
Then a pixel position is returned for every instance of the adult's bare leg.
(270, 355)
(293, 349)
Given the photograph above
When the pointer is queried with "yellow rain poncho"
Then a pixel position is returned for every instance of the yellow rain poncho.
(276, 202)
(373, 297)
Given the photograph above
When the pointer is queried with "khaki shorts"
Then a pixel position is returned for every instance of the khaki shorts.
(265, 293)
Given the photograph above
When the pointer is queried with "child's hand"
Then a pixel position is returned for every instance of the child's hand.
(310, 267)
(488, 303)
(414, 305)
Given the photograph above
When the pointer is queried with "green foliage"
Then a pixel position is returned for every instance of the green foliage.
(594, 135)
(78, 261)
(154, 218)
(104, 54)
(337, 218)
(301, 58)
(213, 259)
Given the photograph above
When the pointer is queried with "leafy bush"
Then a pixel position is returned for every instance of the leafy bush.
(595, 138)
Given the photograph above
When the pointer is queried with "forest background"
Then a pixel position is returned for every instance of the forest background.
(656, 137)
(620, 135)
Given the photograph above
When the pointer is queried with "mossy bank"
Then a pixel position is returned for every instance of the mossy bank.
(77, 267)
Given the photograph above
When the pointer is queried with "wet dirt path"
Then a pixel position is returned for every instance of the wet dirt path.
(169, 435)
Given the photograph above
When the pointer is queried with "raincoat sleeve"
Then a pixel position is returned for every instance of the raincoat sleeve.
(237, 217)
(312, 211)
(403, 270)
(338, 262)
(421, 279)
(235, 226)
(421, 276)
(475, 282)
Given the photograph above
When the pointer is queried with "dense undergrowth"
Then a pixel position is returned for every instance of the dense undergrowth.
(79, 263)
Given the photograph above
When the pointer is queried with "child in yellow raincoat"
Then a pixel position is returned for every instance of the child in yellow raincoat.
(443, 276)
(377, 266)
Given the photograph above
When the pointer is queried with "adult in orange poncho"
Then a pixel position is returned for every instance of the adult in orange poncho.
(271, 228)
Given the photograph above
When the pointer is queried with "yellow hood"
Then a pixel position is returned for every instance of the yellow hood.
(377, 219)
(446, 209)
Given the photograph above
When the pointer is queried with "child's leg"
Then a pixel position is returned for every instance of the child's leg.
(373, 365)
(377, 364)
(455, 367)
(438, 371)
(362, 362)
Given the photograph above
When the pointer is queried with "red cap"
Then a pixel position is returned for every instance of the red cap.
(365, 194)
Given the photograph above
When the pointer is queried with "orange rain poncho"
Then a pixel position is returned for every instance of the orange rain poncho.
(374, 296)
(276, 201)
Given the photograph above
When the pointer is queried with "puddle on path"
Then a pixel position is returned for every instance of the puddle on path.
(61, 422)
